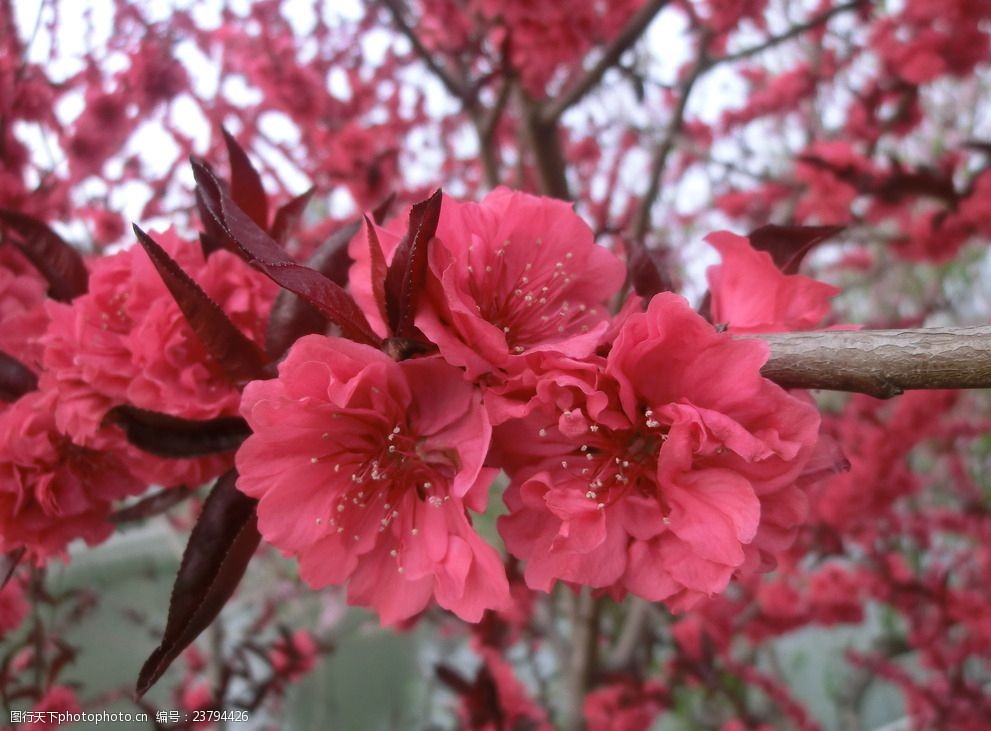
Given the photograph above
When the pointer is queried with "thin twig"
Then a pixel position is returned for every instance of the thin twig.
(662, 151)
(619, 45)
(457, 87)
(794, 31)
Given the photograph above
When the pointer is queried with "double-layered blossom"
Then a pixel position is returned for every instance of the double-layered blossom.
(661, 469)
(53, 491)
(512, 275)
(364, 469)
(127, 342)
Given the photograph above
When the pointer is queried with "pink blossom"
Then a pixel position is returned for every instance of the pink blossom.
(496, 700)
(836, 595)
(624, 705)
(22, 292)
(294, 656)
(57, 699)
(53, 491)
(13, 607)
(750, 294)
(364, 468)
(515, 274)
(127, 342)
(661, 470)
(196, 695)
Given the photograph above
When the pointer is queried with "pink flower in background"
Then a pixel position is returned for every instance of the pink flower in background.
(13, 607)
(364, 469)
(515, 274)
(496, 699)
(51, 490)
(750, 294)
(127, 342)
(662, 474)
(294, 656)
(57, 699)
(22, 315)
(624, 705)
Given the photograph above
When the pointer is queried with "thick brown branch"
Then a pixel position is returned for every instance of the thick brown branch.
(626, 38)
(545, 145)
(881, 363)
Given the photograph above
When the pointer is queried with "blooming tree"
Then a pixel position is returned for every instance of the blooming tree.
(590, 416)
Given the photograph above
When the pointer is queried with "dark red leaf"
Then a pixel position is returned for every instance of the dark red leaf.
(288, 216)
(788, 245)
(60, 264)
(650, 271)
(408, 269)
(246, 185)
(212, 238)
(171, 436)
(379, 269)
(8, 564)
(293, 317)
(258, 248)
(220, 546)
(240, 358)
(16, 379)
(900, 184)
(153, 505)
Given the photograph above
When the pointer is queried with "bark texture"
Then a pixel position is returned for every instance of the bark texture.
(881, 363)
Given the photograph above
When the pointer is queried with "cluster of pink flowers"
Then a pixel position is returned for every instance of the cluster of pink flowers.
(63, 465)
(645, 452)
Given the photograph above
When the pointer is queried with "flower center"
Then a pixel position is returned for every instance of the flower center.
(384, 470)
(530, 305)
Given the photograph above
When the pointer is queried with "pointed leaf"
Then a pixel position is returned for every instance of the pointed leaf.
(288, 216)
(246, 185)
(8, 564)
(788, 245)
(261, 251)
(170, 436)
(220, 546)
(16, 379)
(212, 238)
(234, 351)
(293, 317)
(61, 265)
(408, 270)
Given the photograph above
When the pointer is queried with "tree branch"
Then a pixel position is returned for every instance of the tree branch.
(794, 31)
(662, 151)
(485, 127)
(457, 87)
(626, 38)
(545, 145)
(880, 363)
